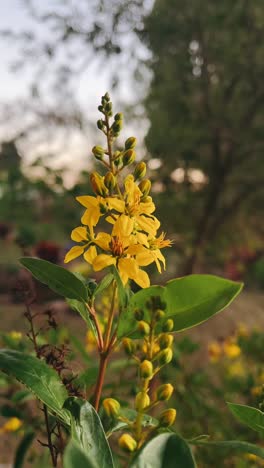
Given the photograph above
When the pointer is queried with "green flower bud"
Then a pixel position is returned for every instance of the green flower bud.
(129, 346)
(142, 401)
(168, 325)
(108, 107)
(100, 124)
(165, 356)
(140, 170)
(127, 443)
(165, 340)
(167, 417)
(106, 97)
(145, 186)
(98, 152)
(101, 108)
(139, 314)
(159, 314)
(118, 162)
(143, 328)
(130, 143)
(110, 180)
(117, 127)
(164, 392)
(129, 157)
(111, 407)
(118, 116)
(146, 369)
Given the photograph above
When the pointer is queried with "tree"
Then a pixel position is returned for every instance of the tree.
(205, 108)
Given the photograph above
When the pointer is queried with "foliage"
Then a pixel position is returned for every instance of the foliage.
(119, 236)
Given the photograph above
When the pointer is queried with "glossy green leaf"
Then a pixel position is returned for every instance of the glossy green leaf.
(189, 301)
(74, 457)
(106, 281)
(252, 417)
(232, 446)
(81, 308)
(60, 280)
(22, 449)
(164, 451)
(87, 431)
(40, 379)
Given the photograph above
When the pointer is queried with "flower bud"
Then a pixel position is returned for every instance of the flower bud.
(139, 314)
(97, 184)
(108, 107)
(165, 356)
(155, 349)
(159, 314)
(143, 328)
(118, 116)
(116, 127)
(165, 340)
(110, 180)
(140, 170)
(128, 346)
(146, 369)
(111, 407)
(98, 152)
(129, 157)
(130, 143)
(100, 124)
(168, 325)
(145, 186)
(142, 401)
(167, 417)
(106, 97)
(101, 108)
(164, 392)
(127, 443)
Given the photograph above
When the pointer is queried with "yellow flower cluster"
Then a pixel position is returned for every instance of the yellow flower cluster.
(228, 348)
(125, 207)
(12, 425)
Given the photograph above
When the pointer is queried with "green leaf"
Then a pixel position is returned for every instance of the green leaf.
(22, 449)
(74, 457)
(106, 281)
(116, 425)
(60, 280)
(81, 308)
(252, 417)
(189, 301)
(40, 379)
(87, 432)
(232, 446)
(164, 451)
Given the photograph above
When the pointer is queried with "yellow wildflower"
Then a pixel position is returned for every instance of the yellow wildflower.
(232, 350)
(215, 351)
(236, 369)
(97, 207)
(12, 425)
(15, 335)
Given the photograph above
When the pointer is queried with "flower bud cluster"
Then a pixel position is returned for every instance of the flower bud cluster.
(151, 352)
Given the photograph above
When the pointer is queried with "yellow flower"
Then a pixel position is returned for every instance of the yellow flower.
(80, 234)
(14, 335)
(215, 351)
(147, 255)
(236, 369)
(12, 425)
(97, 207)
(232, 350)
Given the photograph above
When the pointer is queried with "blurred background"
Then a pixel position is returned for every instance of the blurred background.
(188, 77)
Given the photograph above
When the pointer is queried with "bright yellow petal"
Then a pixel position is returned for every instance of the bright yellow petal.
(75, 252)
(128, 266)
(116, 204)
(88, 201)
(90, 254)
(142, 279)
(79, 234)
(103, 261)
(147, 207)
(102, 240)
(145, 258)
(123, 227)
(136, 249)
(91, 216)
(149, 225)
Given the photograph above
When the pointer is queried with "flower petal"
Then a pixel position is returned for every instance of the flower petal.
(73, 253)
(116, 204)
(90, 254)
(123, 227)
(79, 234)
(103, 261)
(142, 279)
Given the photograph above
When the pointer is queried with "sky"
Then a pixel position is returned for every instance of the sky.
(89, 89)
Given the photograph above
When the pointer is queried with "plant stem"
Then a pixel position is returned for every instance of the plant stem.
(110, 320)
(51, 448)
(100, 380)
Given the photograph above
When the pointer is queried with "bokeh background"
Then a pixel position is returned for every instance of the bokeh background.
(188, 77)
